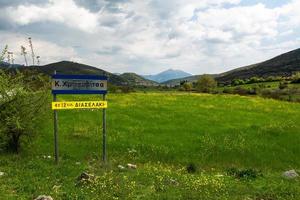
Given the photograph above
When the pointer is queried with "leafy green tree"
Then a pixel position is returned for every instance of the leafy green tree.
(238, 82)
(283, 85)
(255, 79)
(21, 106)
(206, 83)
(187, 86)
(296, 78)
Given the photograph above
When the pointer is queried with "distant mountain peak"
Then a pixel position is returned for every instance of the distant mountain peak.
(167, 75)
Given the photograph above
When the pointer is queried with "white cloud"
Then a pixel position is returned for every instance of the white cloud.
(206, 36)
(290, 14)
(65, 11)
(235, 24)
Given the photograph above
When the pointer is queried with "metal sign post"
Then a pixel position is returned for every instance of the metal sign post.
(79, 84)
(55, 131)
(104, 133)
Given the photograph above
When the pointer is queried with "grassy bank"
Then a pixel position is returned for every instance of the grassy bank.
(163, 133)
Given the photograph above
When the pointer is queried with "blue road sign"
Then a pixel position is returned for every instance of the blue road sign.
(79, 84)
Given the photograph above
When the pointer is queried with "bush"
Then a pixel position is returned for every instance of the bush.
(244, 173)
(191, 168)
(254, 80)
(20, 107)
(283, 85)
(228, 90)
(126, 89)
(241, 91)
(296, 78)
(187, 86)
(206, 83)
(237, 82)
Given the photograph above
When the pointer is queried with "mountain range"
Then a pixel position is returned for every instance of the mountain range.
(167, 75)
(282, 65)
(67, 67)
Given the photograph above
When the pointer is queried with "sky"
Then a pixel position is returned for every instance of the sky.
(149, 36)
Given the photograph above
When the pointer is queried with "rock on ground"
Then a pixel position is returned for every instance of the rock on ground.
(131, 166)
(85, 178)
(43, 197)
(291, 174)
(121, 167)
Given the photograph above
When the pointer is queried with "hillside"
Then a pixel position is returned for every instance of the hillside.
(167, 75)
(67, 67)
(135, 79)
(282, 65)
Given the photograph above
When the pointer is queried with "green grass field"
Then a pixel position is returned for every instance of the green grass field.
(162, 133)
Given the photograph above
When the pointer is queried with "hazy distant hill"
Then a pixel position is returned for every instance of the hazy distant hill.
(167, 75)
(135, 79)
(282, 65)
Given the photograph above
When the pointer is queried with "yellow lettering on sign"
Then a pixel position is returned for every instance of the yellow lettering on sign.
(79, 105)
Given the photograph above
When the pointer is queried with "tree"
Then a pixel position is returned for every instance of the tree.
(187, 86)
(20, 107)
(237, 82)
(296, 78)
(206, 83)
(255, 80)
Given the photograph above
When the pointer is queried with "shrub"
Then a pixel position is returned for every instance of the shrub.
(244, 173)
(112, 88)
(127, 89)
(254, 80)
(237, 82)
(191, 168)
(187, 86)
(206, 83)
(283, 85)
(228, 90)
(296, 78)
(241, 91)
(20, 107)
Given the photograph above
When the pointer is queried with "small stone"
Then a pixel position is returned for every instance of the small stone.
(84, 176)
(132, 151)
(291, 174)
(43, 197)
(121, 167)
(1, 173)
(131, 166)
(173, 182)
(219, 175)
(56, 188)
